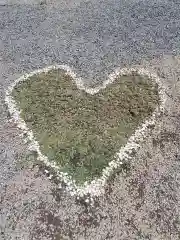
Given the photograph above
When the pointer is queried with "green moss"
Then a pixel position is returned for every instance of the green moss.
(82, 132)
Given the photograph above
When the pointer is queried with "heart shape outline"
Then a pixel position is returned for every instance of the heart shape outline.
(96, 186)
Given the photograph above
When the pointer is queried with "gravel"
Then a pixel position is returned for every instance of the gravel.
(92, 37)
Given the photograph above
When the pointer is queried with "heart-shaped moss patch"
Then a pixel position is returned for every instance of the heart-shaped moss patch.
(79, 131)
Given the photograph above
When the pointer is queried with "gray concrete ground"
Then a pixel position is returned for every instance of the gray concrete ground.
(93, 37)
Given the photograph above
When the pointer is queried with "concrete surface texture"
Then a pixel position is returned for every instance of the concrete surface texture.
(92, 37)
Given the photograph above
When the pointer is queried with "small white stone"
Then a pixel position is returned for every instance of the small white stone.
(50, 176)
(87, 200)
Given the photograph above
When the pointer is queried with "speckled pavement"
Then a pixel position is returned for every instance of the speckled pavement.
(93, 38)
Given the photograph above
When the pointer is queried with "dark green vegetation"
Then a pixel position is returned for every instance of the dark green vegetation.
(82, 132)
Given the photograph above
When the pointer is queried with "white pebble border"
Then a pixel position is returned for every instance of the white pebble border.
(96, 187)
